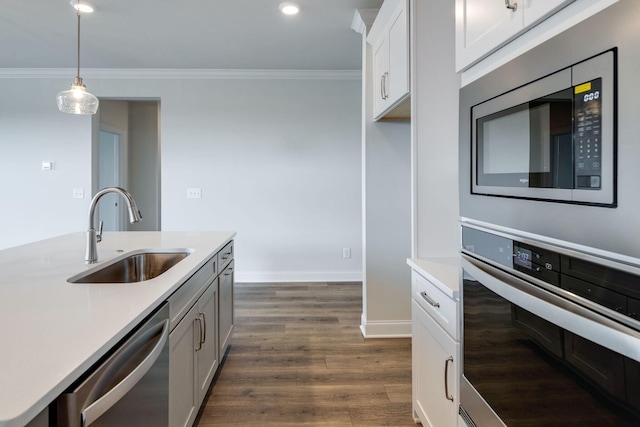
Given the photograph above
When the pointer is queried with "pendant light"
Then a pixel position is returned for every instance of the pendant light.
(77, 100)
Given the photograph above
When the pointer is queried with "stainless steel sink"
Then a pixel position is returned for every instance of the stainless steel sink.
(134, 267)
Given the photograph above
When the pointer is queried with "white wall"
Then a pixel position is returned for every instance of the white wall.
(386, 158)
(37, 204)
(277, 159)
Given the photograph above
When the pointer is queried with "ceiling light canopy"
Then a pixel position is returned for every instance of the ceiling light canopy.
(289, 8)
(82, 6)
(77, 100)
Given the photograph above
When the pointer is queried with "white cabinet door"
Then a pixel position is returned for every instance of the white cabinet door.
(207, 342)
(398, 79)
(183, 390)
(435, 371)
(483, 25)
(537, 10)
(389, 39)
(380, 76)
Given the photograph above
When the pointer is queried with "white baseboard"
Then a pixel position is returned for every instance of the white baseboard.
(385, 329)
(297, 276)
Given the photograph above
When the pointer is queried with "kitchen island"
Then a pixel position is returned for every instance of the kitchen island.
(53, 331)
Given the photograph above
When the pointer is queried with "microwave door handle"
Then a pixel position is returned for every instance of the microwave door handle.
(96, 409)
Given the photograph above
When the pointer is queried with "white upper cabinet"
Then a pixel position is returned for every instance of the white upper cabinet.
(484, 25)
(389, 39)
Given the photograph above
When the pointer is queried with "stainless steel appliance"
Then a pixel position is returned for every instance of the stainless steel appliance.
(553, 138)
(542, 205)
(551, 336)
(551, 289)
(129, 388)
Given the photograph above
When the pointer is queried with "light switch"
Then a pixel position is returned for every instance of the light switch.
(194, 193)
(47, 166)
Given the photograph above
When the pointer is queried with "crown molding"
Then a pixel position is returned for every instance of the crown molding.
(189, 74)
(363, 20)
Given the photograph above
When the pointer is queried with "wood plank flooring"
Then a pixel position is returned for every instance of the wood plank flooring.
(297, 358)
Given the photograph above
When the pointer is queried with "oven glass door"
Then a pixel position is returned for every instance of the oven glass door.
(529, 371)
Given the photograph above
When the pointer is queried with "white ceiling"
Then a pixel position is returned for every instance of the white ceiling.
(182, 34)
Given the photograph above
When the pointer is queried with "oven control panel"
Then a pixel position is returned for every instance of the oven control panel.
(537, 262)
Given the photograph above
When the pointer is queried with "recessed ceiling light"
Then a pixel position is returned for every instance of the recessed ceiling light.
(82, 6)
(289, 8)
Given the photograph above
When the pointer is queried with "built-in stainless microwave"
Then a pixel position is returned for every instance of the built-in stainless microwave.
(551, 139)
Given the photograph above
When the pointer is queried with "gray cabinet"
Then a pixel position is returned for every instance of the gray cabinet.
(193, 356)
(189, 308)
(206, 340)
(183, 394)
(225, 312)
(201, 312)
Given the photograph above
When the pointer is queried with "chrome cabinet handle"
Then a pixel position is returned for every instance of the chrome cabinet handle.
(228, 271)
(446, 378)
(386, 75)
(199, 320)
(104, 403)
(203, 335)
(382, 86)
(430, 300)
(508, 5)
(225, 256)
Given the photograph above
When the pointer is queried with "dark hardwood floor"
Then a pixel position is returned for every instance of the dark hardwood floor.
(297, 358)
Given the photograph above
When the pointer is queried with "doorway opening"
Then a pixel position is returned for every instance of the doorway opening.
(111, 174)
(126, 153)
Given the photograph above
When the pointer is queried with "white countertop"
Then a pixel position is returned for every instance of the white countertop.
(442, 272)
(52, 331)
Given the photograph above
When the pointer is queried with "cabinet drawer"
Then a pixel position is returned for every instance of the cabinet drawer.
(183, 299)
(440, 306)
(225, 255)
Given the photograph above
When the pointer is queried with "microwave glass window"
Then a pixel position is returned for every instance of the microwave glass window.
(529, 145)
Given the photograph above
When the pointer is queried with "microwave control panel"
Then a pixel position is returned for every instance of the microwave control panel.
(588, 134)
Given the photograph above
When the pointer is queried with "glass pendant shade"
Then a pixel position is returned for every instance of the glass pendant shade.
(77, 100)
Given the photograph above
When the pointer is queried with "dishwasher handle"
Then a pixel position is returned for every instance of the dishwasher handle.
(96, 409)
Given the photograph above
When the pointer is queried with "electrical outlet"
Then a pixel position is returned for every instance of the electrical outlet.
(346, 253)
(194, 193)
(78, 193)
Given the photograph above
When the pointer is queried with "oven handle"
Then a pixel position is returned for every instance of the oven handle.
(96, 409)
(557, 310)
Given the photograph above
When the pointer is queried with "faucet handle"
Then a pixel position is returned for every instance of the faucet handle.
(99, 235)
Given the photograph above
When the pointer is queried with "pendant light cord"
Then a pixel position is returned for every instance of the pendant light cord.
(78, 13)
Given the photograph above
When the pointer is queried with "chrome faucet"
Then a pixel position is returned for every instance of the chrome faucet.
(93, 236)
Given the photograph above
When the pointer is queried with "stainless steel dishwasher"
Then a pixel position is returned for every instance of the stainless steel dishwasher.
(129, 388)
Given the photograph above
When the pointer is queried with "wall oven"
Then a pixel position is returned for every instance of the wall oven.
(550, 336)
